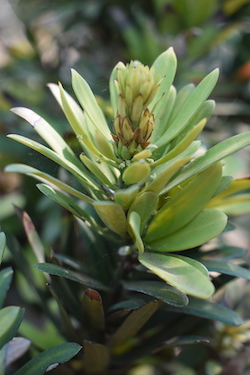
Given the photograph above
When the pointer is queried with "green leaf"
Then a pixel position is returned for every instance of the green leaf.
(225, 253)
(10, 319)
(80, 278)
(183, 273)
(5, 280)
(185, 205)
(181, 98)
(208, 224)
(134, 322)
(159, 290)
(67, 202)
(96, 357)
(227, 268)
(48, 133)
(113, 216)
(2, 245)
(134, 228)
(136, 172)
(214, 154)
(190, 107)
(209, 310)
(88, 102)
(80, 174)
(53, 356)
(165, 67)
(125, 197)
(144, 204)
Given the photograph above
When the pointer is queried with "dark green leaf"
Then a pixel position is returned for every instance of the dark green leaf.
(56, 270)
(2, 245)
(210, 310)
(159, 290)
(53, 356)
(227, 268)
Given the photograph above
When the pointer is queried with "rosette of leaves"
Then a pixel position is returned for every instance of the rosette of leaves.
(143, 182)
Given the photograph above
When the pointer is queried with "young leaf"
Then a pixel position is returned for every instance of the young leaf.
(144, 204)
(214, 154)
(185, 205)
(134, 228)
(183, 273)
(133, 323)
(159, 290)
(53, 356)
(113, 216)
(208, 224)
(93, 309)
(193, 103)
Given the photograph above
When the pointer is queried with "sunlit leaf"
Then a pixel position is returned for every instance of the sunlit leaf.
(10, 319)
(183, 273)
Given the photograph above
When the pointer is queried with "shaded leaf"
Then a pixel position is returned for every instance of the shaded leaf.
(134, 322)
(12, 351)
(53, 356)
(56, 270)
(93, 309)
(113, 216)
(96, 357)
(159, 290)
(2, 245)
(210, 310)
(227, 268)
(134, 222)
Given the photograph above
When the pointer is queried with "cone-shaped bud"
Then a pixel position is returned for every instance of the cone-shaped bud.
(133, 125)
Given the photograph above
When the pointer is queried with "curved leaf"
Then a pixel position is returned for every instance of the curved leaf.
(208, 224)
(183, 273)
(2, 245)
(10, 319)
(226, 268)
(5, 280)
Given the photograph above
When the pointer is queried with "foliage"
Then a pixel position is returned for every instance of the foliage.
(146, 197)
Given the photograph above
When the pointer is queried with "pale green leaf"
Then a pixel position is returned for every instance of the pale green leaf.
(88, 102)
(185, 205)
(214, 154)
(113, 216)
(144, 204)
(134, 227)
(2, 245)
(10, 319)
(208, 224)
(192, 104)
(183, 273)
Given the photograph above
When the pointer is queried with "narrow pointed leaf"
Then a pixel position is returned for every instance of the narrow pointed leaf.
(208, 224)
(209, 310)
(30, 171)
(185, 205)
(183, 273)
(10, 319)
(193, 103)
(133, 323)
(159, 290)
(93, 167)
(96, 357)
(89, 104)
(181, 98)
(81, 174)
(53, 356)
(5, 280)
(48, 133)
(93, 309)
(214, 154)
(54, 269)
(134, 222)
